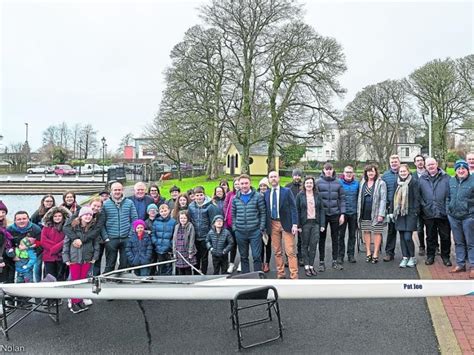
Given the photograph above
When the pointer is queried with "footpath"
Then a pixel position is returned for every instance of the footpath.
(453, 317)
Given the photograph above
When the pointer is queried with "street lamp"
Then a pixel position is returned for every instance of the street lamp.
(103, 140)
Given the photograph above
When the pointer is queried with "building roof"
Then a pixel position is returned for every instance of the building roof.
(258, 149)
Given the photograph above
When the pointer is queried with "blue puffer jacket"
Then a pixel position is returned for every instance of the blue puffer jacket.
(201, 217)
(390, 177)
(29, 262)
(139, 251)
(162, 236)
(461, 198)
(351, 188)
(434, 195)
(118, 218)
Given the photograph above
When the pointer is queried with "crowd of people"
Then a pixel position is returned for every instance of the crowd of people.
(68, 241)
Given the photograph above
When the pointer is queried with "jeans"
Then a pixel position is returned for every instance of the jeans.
(406, 243)
(333, 221)
(38, 268)
(391, 239)
(24, 277)
(435, 226)
(79, 271)
(142, 272)
(421, 231)
(165, 269)
(57, 269)
(463, 233)
(309, 241)
(350, 223)
(113, 248)
(254, 240)
(202, 256)
(233, 251)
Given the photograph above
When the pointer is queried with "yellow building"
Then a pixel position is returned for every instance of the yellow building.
(258, 159)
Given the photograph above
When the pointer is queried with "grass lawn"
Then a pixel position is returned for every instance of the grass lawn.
(209, 185)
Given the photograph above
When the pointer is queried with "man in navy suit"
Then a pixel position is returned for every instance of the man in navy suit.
(282, 223)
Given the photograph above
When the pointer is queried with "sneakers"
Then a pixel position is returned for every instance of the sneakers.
(230, 269)
(83, 306)
(75, 308)
(422, 251)
(321, 267)
(336, 265)
(87, 302)
(239, 267)
(411, 262)
(404, 262)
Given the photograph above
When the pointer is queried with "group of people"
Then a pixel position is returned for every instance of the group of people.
(68, 241)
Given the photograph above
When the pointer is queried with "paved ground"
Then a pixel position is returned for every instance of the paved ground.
(390, 326)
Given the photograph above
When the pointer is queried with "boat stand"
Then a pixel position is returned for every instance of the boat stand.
(267, 296)
(13, 304)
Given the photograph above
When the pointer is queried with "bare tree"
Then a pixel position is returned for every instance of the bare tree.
(16, 155)
(88, 137)
(377, 115)
(443, 90)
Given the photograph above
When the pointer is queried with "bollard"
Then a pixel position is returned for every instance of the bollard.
(43, 178)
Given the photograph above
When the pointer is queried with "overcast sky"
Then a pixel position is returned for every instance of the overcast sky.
(102, 62)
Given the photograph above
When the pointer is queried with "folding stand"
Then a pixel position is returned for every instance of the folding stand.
(268, 296)
(11, 304)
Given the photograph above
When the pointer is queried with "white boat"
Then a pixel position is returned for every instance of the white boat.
(224, 288)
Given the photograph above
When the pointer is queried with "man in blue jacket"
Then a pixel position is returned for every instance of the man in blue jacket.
(282, 223)
(141, 200)
(351, 189)
(119, 213)
(390, 177)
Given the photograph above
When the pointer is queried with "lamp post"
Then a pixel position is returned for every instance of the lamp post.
(103, 140)
(27, 145)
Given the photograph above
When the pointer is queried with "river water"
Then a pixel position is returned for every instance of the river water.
(30, 203)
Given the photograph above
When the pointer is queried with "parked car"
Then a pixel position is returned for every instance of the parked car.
(64, 169)
(40, 169)
(90, 169)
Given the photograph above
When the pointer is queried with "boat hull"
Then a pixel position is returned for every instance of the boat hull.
(222, 288)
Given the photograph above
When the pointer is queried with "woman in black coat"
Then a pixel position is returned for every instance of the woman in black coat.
(312, 221)
(406, 205)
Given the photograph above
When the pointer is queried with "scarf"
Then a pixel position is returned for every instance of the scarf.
(400, 200)
(23, 230)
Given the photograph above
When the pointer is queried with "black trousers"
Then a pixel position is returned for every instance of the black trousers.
(350, 223)
(113, 248)
(421, 231)
(391, 239)
(220, 264)
(435, 227)
(267, 251)
(333, 221)
(202, 255)
(57, 269)
(98, 263)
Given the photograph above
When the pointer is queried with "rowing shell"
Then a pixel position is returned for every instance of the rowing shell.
(222, 288)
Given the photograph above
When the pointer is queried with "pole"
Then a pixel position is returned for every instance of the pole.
(103, 158)
(430, 123)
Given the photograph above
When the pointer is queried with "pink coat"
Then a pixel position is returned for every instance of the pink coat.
(228, 209)
(52, 242)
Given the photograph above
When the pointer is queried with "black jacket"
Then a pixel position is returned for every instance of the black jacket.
(434, 195)
(302, 208)
(332, 194)
(410, 221)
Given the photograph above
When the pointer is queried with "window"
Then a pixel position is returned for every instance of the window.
(236, 160)
(405, 151)
(228, 161)
(333, 153)
(327, 153)
(319, 151)
(333, 137)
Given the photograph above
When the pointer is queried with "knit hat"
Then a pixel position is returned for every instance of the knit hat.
(151, 206)
(3, 207)
(137, 223)
(297, 172)
(85, 210)
(27, 242)
(459, 163)
(264, 181)
(216, 218)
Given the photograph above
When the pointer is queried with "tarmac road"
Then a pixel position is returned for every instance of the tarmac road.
(389, 326)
